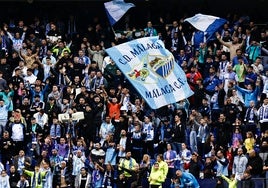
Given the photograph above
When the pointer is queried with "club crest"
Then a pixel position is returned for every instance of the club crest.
(161, 65)
(151, 68)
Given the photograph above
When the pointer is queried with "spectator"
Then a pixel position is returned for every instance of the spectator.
(249, 141)
(185, 157)
(156, 177)
(62, 176)
(4, 108)
(251, 77)
(106, 128)
(109, 147)
(170, 158)
(187, 179)
(247, 180)
(240, 162)
(14, 176)
(232, 182)
(255, 165)
(232, 46)
(178, 136)
(83, 180)
(123, 145)
(222, 164)
(250, 93)
(109, 176)
(97, 53)
(251, 118)
(195, 165)
(150, 30)
(4, 179)
(263, 114)
(23, 182)
(36, 176)
(127, 164)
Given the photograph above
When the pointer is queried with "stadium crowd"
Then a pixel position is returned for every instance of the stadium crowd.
(49, 75)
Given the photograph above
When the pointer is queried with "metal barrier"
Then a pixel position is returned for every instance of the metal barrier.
(210, 183)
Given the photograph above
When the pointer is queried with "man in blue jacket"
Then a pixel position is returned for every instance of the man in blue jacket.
(187, 179)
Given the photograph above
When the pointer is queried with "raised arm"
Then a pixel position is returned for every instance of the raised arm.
(221, 41)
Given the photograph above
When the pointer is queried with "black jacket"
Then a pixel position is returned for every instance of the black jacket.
(256, 163)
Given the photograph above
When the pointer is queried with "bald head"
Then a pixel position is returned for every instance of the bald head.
(252, 153)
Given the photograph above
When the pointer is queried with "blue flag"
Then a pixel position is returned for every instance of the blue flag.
(152, 70)
(116, 9)
(206, 23)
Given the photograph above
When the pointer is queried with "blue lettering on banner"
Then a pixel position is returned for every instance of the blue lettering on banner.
(124, 60)
(157, 92)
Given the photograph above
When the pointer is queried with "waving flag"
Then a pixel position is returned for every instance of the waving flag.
(152, 70)
(116, 9)
(206, 23)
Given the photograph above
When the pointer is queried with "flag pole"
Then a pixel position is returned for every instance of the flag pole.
(113, 31)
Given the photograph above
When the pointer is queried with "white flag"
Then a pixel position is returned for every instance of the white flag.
(116, 9)
(152, 70)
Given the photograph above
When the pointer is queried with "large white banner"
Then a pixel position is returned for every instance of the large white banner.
(152, 70)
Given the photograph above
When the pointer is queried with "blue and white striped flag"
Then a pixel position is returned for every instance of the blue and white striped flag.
(206, 23)
(152, 70)
(116, 9)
